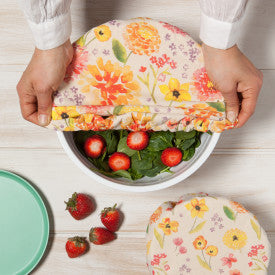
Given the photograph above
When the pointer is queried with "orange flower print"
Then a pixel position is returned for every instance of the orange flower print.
(238, 207)
(235, 272)
(204, 87)
(78, 63)
(200, 243)
(93, 122)
(114, 83)
(142, 38)
(168, 226)
(155, 216)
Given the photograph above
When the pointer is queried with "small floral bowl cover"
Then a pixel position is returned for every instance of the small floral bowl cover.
(138, 74)
(202, 234)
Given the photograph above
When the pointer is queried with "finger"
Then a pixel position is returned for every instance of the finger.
(28, 102)
(232, 105)
(44, 102)
(247, 108)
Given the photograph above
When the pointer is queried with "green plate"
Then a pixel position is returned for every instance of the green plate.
(24, 225)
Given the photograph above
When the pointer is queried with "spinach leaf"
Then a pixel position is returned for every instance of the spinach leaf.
(123, 147)
(187, 144)
(160, 140)
(185, 135)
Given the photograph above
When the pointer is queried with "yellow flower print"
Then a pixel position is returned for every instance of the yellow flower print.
(200, 243)
(175, 91)
(235, 239)
(102, 33)
(64, 112)
(218, 126)
(197, 208)
(148, 245)
(130, 109)
(211, 250)
(201, 124)
(167, 226)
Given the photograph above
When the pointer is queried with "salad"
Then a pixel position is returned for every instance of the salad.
(133, 155)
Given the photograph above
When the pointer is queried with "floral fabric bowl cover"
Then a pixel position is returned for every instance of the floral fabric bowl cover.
(201, 234)
(138, 74)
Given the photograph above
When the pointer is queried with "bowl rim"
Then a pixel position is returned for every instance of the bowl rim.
(195, 166)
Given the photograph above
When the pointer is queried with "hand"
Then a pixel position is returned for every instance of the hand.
(232, 73)
(42, 77)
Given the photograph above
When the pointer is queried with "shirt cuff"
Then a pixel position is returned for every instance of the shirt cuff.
(52, 33)
(219, 34)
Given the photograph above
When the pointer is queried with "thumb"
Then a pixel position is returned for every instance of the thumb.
(44, 105)
(232, 105)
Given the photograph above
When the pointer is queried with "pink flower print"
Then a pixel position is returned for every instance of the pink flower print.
(182, 250)
(166, 267)
(166, 58)
(173, 29)
(264, 258)
(178, 241)
(235, 272)
(228, 261)
(204, 87)
(162, 77)
(250, 264)
(78, 63)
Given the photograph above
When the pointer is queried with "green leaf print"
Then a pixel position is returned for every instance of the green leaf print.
(158, 237)
(256, 228)
(117, 110)
(229, 213)
(203, 263)
(119, 51)
(197, 228)
(217, 105)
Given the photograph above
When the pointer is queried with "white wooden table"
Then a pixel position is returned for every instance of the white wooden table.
(245, 157)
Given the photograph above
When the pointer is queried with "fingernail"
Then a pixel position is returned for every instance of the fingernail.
(232, 116)
(43, 120)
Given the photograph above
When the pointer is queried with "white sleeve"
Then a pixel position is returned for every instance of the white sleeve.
(49, 20)
(221, 21)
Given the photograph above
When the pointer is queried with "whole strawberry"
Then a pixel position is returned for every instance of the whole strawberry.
(80, 206)
(99, 235)
(110, 217)
(76, 246)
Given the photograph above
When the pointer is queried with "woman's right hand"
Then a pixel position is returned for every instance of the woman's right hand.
(40, 80)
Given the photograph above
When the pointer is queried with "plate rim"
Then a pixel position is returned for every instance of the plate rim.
(44, 243)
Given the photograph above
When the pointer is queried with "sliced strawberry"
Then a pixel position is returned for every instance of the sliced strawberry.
(137, 140)
(171, 156)
(119, 161)
(80, 206)
(94, 146)
(76, 246)
(110, 217)
(99, 235)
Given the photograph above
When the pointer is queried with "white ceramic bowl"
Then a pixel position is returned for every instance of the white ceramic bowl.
(164, 180)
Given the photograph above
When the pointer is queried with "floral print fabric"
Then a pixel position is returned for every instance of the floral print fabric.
(138, 74)
(202, 234)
